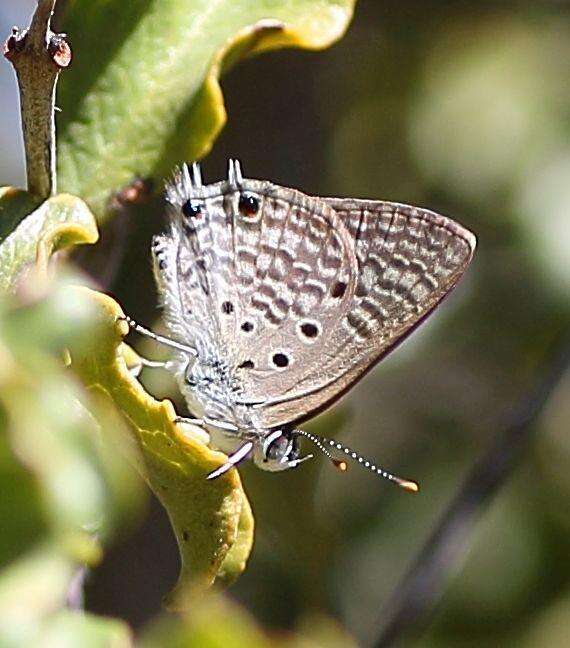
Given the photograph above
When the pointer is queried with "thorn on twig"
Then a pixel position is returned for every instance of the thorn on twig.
(14, 43)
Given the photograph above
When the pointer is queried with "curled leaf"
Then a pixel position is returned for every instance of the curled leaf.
(151, 97)
(205, 515)
(57, 223)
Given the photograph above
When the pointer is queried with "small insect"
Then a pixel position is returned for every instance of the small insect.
(277, 303)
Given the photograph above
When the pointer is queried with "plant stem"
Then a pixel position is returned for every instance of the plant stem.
(414, 600)
(38, 55)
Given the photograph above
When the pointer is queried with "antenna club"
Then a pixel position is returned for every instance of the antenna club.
(408, 484)
(341, 465)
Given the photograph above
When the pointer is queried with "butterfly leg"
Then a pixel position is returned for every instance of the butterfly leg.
(141, 330)
(188, 420)
(225, 426)
(296, 462)
(239, 455)
(151, 364)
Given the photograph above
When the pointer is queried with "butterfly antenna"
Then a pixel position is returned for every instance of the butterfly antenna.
(341, 465)
(322, 442)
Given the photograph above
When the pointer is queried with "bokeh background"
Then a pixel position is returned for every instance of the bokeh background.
(462, 107)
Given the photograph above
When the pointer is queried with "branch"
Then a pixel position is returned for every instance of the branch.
(413, 602)
(38, 55)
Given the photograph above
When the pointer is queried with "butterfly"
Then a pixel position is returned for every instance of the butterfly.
(277, 303)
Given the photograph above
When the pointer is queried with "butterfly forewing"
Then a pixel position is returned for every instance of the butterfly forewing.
(191, 266)
(408, 260)
(254, 289)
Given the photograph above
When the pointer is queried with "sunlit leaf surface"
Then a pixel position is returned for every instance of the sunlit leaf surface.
(150, 98)
(175, 462)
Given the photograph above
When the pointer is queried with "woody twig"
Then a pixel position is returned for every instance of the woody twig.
(38, 55)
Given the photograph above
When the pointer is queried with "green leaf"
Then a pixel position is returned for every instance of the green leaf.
(30, 590)
(33, 592)
(143, 94)
(59, 222)
(216, 622)
(71, 629)
(48, 437)
(212, 622)
(236, 558)
(15, 205)
(172, 458)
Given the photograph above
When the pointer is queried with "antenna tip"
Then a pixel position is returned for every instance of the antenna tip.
(408, 484)
(341, 465)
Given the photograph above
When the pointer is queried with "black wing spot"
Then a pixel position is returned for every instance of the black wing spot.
(227, 308)
(280, 360)
(248, 205)
(247, 327)
(309, 330)
(338, 289)
(246, 364)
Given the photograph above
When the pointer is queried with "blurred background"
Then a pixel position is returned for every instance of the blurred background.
(462, 107)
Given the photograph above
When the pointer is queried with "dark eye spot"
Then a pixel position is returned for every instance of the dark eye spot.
(161, 264)
(227, 308)
(247, 327)
(246, 364)
(280, 360)
(192, 209)
(248, 205)
(338, 289)
(310, 330)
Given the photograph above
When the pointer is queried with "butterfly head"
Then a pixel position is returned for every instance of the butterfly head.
(278, 451)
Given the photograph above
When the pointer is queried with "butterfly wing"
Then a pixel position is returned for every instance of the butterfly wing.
(295, 269)
(297, 298)
(192, 265)
(253, 289)
(408, 260)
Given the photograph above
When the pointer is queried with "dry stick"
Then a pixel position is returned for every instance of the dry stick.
(38, 55)
(413, 602)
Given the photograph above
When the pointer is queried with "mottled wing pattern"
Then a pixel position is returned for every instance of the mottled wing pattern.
(245, 288)
(295, 269)
(408, 260)
(295, 297)
(193, 266)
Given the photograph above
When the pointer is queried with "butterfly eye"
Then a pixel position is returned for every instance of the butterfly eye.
(192, 209)
(248, 205)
